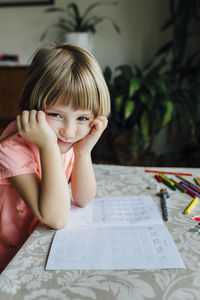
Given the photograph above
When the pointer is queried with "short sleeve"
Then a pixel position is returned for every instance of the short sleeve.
(16, 158)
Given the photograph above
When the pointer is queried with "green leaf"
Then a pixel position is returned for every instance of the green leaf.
(135, 85)
(161, 84)
(144, 98)
(169, 107)
(152, 90)
(144, 123)
(129, 108)
(73, 11)
(138, 71)
(95, 20)
(156, 120)
(92, 21)
(136, 139)
(118, 103)
(126, 71)
(67, 23)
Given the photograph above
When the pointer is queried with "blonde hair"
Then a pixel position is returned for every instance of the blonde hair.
(66, 74)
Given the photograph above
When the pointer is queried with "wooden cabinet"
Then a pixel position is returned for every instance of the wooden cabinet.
(11, 84)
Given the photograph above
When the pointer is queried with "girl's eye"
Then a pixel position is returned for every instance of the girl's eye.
(83, 119)
(55, 115)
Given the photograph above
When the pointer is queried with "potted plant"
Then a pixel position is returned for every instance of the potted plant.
(140, 107)
(79, 27)
(163, 94)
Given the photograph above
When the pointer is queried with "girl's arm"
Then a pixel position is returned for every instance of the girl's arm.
(49, 197)
(83, 182)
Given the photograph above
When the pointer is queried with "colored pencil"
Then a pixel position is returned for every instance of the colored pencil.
(179, 186)
(194, 187)
(188, 209)
(165, 172)
(166, 178)
(158, 178)
(168, 183)
(190, 188)
(191, 193)
(183, 179)
(190, 184)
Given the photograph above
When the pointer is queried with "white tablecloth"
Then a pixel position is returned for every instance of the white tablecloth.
(25, 277)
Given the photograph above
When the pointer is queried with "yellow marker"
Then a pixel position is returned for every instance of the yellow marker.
(188, 209)
(166, 178)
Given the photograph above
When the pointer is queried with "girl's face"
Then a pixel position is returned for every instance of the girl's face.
(69, 125)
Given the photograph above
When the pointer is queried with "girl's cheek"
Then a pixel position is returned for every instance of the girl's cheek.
(85, 131)
(52, 125)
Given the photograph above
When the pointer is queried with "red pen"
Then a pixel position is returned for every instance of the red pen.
(164, 172)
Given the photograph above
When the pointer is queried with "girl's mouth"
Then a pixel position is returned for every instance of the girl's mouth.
(64, 143)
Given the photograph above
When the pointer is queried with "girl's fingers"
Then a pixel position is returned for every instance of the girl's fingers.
(105, 122)
(18, 121)
(29, 118)
(41, 116)
(99, 123)
(33, 117)
(24, 119)
(32, 126)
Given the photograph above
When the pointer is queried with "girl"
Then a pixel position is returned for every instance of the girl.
(63, 112)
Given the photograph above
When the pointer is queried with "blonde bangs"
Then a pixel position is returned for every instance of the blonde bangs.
(65, 74)
(82, 91)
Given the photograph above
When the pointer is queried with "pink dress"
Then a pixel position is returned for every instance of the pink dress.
(17, 157)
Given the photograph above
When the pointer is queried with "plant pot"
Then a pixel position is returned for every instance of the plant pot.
(81, 39)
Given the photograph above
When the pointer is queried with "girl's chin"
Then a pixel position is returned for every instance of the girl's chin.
(64, 148)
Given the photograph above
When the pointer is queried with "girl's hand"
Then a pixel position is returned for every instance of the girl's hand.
(97, 126)
(32, 126)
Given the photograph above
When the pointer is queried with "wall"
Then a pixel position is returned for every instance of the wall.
(140, 22)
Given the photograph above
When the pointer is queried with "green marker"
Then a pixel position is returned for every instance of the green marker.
(168, 183)
(179, 186)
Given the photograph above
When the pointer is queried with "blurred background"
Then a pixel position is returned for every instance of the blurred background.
(149, 53)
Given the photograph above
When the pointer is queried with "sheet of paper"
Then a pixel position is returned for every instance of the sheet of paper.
(117, 234)
(117, 211)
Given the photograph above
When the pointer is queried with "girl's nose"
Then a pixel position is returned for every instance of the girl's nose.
(67, 132)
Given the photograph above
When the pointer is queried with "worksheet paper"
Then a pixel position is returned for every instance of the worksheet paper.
(118, 233)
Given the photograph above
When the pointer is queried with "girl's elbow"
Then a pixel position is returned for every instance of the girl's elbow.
(83, 202)
(57, 223)
(60, 225)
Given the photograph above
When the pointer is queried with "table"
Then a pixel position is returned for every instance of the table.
(25, 277)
